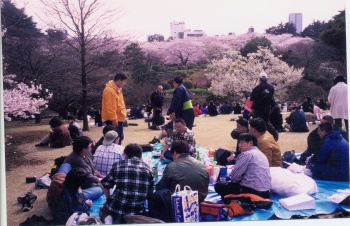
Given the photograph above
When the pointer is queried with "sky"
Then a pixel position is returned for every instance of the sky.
(215, 17)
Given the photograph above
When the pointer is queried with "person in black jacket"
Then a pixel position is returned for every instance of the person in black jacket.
(212, 110)
(276, 119)
(262, 97)
(157, 98)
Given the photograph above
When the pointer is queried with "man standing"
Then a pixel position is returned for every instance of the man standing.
(181, 132)
(181, 104)
(113, 105)
(251, 173)
(157, 98)
(263, 101)
(338, 98)
(262, 96)
(266, 142)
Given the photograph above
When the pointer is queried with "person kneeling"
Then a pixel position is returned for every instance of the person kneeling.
(251, 173)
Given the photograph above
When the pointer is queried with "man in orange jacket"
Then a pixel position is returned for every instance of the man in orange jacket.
(113, 105)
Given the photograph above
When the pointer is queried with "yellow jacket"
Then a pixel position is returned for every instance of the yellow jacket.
(113, 105)
(270, 148)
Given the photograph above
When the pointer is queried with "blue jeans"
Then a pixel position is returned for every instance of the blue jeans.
(93, 192)
(120, 130)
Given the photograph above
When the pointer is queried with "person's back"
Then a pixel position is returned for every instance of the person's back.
(332, 161)
(185, 170)
(268, 145)
(60, 137)
(108, 153)
(212, 111)
(226, 109)
(134, 184)
(297, 119)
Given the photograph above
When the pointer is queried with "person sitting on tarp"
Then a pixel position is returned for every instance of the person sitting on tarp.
(184, 170)
(242, 127)
(266, 143)
(251, 173)
(133, 181)
(72, 199)
(332, 161)
(181, 132)
(314, 141)
(81, 157)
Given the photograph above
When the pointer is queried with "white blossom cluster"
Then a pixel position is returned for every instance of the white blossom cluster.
(19, 100)
(238, 75)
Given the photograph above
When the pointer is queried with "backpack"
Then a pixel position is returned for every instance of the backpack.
(160, 206)
(288, 157)
(221, 156)
(57, 164)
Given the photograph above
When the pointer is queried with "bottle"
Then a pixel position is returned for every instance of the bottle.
(198, 157)
(155, 172)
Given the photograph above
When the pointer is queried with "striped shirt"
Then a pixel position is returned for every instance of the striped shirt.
(134, 184)
(106, 155)
(252, 170)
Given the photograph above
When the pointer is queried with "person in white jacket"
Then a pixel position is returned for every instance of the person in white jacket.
(338, 98)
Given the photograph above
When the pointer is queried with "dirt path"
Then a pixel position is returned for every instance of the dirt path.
(23, 159)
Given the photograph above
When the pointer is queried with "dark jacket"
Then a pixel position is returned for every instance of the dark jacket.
(276, 120)
(212, 111)
(262, 100)
(297, 120)
(332, 161)
(74, 130)
(60, 137)
(87, 164)
(226, 109)
(180, 96)
(314, 142)
(157, 99)
(186, 170)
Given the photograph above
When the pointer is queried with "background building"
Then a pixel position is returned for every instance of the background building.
(251, 30)
(177, 30)
(297, 20)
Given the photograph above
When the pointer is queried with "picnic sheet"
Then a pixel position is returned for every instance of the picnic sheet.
(323, 205)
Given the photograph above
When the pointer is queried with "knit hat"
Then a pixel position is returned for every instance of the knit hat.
(263, 75)
(110, 136)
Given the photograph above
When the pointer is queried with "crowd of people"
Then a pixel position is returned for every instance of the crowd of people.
(93, 170)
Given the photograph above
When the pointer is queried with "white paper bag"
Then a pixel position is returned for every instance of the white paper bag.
(185, 205)
(298, 202)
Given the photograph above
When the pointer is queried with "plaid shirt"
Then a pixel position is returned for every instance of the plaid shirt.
(106, 155)
(187, 136)
(134, 184)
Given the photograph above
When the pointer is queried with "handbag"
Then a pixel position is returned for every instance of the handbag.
(185, 206)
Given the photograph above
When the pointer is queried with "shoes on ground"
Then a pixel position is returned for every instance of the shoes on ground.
(40, 145)
(133, 124)
(155, 140)
(27, 201)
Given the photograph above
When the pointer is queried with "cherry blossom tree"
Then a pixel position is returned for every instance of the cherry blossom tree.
(238, 75)
(20, 100)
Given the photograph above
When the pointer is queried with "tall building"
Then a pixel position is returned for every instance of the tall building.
(251, 30)
(297, 20)
(177, 30)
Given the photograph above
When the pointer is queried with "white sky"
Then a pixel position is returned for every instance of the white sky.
(215, 17)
